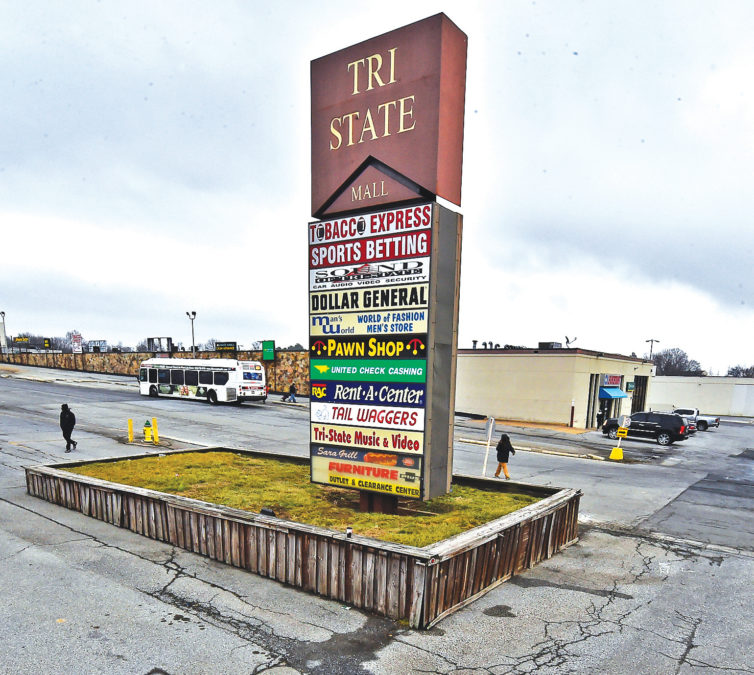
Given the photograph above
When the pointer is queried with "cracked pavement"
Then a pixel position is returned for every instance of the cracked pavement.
(660, 581)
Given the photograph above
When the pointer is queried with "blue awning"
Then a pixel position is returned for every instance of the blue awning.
(612, 392)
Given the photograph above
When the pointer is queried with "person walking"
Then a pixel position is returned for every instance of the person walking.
(291, 395)
(67, 422)
(504, 450)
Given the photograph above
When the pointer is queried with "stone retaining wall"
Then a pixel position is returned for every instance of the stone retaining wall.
(289, 366)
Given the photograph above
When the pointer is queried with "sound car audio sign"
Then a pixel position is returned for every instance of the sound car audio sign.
(384, 261)
(387, 119)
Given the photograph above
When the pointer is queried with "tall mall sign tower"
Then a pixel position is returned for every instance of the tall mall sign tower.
(384, 261)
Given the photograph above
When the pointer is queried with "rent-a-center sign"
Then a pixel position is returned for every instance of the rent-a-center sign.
(387, 131)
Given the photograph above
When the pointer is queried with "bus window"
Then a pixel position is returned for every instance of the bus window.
(205, 377)
(163, 376)
(176, 377)
(192, 378)
(142, 374)
(152, 375)
(221, 378)
(252, 376)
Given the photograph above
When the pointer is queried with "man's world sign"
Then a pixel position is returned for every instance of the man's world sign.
(387, 119)
(384, 260)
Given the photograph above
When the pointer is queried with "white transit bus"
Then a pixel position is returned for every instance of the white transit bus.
(213, 380)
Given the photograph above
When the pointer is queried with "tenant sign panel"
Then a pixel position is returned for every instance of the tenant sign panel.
(382, 355)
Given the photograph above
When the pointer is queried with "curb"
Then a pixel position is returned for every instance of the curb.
(542, 451)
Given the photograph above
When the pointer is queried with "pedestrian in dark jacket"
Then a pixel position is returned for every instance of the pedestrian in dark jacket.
(67, 422)
(504, 451)
(291, 393)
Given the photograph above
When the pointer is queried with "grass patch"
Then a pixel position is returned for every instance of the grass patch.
(251, 483)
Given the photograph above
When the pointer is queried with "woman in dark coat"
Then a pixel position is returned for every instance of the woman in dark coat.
(504, 450)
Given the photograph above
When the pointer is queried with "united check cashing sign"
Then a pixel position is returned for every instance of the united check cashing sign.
(384, 260)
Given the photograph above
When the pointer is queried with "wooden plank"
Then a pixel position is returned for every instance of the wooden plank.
(272, 553)
(235, 553)
(344, 548)
(310, 554)
(418, 595)
(432, 591)
(333, 551)
(380, 573)
(367, 578)
(299, 561)
(357, 587)
(151, 524)
(392, 582)
(404, 587)
(281, 546)
(228, 554)
(254, 548)
(323, 564)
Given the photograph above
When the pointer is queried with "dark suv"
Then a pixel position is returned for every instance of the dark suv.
(665, 428)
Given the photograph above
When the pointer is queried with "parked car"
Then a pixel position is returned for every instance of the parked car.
(690, 425)
(665, 428)
(703, 422)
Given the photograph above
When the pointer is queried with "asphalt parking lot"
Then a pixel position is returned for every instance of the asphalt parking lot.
(658, 583)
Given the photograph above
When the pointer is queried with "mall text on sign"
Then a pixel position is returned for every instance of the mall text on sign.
(396, 101)
(368, 439)
(368, 323)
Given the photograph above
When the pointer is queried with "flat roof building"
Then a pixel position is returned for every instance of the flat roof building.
(553, 385)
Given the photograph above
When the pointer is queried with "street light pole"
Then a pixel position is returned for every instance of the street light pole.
(192, 316)
(651, 346)
(3, 338)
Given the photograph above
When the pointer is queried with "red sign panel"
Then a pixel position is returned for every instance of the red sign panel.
(392, 247)
(387, 119)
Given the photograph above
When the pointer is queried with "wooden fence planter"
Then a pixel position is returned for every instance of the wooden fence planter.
(418, 585)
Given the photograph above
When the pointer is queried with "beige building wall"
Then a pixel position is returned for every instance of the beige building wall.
(537, 387)
(712, 395)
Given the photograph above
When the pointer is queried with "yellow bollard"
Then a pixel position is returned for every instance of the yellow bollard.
(130, 431)
(155, 433)
(147, 431)
(616, 453)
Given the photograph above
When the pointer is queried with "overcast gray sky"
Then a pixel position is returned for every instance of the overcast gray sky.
(154, 158)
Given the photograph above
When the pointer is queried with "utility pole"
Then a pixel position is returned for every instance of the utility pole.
(651, 345)
(3, 338)
(192, 316)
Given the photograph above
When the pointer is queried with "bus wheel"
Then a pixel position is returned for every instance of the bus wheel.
(212, 397)
(153, 391)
